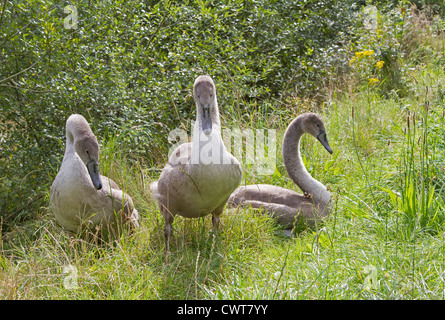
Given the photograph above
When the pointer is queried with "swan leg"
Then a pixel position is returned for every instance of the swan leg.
(168, 229)
(215, 222)
(216, 216)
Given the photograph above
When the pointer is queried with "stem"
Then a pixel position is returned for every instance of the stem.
(3, 11)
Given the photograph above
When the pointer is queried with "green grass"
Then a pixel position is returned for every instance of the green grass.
(387, 216)
(384, 238)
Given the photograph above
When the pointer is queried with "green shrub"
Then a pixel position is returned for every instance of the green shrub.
(129, 68)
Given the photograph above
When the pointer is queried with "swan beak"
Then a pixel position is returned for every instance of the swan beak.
(206, 121)
(322, 137)
(93, 170)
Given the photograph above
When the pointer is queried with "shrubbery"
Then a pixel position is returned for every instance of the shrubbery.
(129, 68)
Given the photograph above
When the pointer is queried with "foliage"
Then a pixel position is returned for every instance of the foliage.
(391, 44)
(129, 66)
(419, 201)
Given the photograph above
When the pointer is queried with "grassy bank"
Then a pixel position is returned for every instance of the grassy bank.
(383, 240)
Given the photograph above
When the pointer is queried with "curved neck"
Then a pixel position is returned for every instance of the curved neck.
(76, 127)
(69, 148)
(295, 166)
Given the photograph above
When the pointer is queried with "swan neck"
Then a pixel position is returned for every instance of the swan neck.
(295, 167)
(69, 149)
(76, 128)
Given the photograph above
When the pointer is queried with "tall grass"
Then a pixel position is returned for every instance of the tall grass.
(419, 205)
(384, 239)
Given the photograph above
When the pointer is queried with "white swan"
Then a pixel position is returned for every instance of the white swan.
(199, 176)
(80, 197)
(287, 206)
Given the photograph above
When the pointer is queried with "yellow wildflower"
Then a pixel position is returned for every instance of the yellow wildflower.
(351, 61)
(380, 64)
(373, 81)
(361, 54)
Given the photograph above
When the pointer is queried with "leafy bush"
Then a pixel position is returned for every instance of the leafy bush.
(129, 68)
(387, 49)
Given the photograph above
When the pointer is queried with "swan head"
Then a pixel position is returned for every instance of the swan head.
(85, 144)
(87, 149)
(313, 124)
(204, 93)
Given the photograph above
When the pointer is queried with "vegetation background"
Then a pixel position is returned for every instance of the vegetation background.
(375, 71)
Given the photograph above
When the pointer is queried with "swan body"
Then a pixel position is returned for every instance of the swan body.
(81, 198)
(289, 207)
(200, 175)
